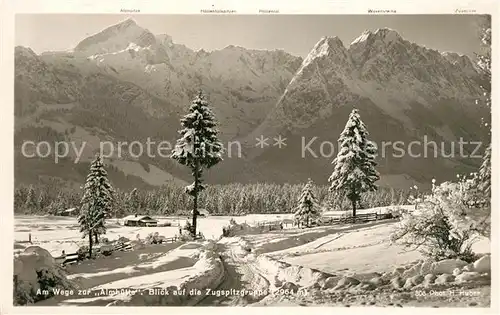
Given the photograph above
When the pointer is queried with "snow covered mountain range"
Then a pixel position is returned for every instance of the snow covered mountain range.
(126, 84)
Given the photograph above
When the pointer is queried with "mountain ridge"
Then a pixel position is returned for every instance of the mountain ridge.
(411, 91)
(254, 92)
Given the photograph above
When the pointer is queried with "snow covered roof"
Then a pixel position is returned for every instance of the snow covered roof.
(139, 218)
(70, 210)
(202, 211)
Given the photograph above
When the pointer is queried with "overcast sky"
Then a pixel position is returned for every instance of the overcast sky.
(294, 34)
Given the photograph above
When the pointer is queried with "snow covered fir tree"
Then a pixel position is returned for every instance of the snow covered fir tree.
(354, 167)
(484, 65)
(133, 205)
(307, 207)
(96, 202)
(198, 147)
(31, 199)
(485, 176)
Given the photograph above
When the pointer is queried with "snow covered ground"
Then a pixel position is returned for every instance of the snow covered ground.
(151, 259)
(264, 264)
(126, 278)
(56, 234)
(363, 250)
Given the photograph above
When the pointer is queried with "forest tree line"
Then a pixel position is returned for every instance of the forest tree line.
(171, 199)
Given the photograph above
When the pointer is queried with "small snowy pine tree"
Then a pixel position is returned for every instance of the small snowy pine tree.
(57, 205)
(484, 65)
(133, 204)
(484, 56)
(307, 207)
(31, 204)
(96, 202)
(354, 171)
(485, 175)
(42, 201)
(198, 147)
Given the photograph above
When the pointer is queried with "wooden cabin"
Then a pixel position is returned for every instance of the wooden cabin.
(139, 220)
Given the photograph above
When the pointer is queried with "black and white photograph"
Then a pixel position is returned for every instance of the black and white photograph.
(252, 160)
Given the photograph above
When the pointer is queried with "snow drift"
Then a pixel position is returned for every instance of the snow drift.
(208, 271)
(422, 274)
(286, 273)
(37, 275)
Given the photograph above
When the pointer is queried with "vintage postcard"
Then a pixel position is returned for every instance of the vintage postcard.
(226, 155)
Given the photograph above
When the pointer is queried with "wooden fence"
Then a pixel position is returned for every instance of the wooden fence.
(276, 224)
(360, 218)
(68, 259)
(120, 246)
(170, 239)
(73, 257)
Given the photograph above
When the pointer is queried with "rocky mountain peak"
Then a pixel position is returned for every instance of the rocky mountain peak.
(25, 52)
(384, 56)
(387, 34)
(28, 61)
(327, 45)
(165, 40)
(461, 61)
(130, 22)
(116, 37)
(383, 41)
(330, 48)
(383, 35)
(458, 59)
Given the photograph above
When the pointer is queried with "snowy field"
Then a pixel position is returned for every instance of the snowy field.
(56, 234)
(354, 250)
(119, 275)
(253, 259)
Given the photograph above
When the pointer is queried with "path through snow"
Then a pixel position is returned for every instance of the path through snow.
(243, 282)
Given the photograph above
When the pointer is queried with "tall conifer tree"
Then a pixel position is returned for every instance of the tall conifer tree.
(96, 202)
(354, 167)
(198, 147)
